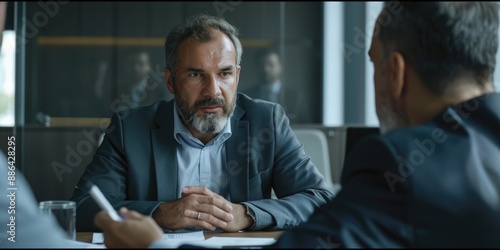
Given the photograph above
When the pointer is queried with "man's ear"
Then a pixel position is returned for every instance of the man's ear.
(169, 80)
(396, 78)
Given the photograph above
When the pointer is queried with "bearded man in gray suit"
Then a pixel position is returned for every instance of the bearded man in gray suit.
(211, 157)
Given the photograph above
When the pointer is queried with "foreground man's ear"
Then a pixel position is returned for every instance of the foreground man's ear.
(396, 70)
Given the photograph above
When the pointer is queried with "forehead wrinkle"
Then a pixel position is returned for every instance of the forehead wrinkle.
(215, 53)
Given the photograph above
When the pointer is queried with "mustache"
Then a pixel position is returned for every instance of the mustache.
(210, 102)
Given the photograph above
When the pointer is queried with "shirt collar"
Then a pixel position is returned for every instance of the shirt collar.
(180, 130)
(273, 88)
(276, 87)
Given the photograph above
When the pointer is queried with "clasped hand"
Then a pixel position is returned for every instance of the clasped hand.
(200, 207)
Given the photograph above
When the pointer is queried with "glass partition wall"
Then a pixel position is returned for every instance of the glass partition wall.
(77, 63)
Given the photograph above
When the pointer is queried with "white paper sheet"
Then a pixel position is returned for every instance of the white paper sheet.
(83, 245)
(218, 242)
(184, 237)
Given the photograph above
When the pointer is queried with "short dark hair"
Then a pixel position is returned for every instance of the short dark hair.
(442, 39)
(201, 28)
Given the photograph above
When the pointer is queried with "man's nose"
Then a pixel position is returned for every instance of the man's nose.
(212, 87)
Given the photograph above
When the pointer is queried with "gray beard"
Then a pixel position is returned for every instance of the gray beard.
(209, 123)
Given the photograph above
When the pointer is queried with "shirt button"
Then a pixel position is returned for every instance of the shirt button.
(204, 177)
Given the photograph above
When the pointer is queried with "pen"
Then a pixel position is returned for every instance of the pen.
(104, 203)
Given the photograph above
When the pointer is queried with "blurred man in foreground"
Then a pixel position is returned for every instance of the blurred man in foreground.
(23, 224)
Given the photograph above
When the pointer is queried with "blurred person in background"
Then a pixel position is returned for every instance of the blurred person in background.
(271, 88)
(138, 82)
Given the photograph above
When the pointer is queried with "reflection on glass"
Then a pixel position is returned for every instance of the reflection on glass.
(270, 86)
(142, 81)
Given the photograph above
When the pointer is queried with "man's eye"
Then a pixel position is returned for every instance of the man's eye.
(226, 73)
(194, 74)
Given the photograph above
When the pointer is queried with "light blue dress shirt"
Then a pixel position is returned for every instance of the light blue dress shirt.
(201, 164)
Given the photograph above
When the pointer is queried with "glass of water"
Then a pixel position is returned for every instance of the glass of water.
(64, 213)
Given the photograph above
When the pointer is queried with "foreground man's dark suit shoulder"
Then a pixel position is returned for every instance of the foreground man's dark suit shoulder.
(432, 185)
(135, 166)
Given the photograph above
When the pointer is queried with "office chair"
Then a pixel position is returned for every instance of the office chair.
(316, 146)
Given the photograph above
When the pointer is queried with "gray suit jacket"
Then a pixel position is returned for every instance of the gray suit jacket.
(135, 166)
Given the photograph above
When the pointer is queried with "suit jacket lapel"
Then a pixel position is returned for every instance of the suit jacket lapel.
(164, 150)
(237, 157)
